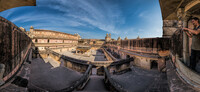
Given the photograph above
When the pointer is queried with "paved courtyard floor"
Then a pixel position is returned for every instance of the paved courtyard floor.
(43, 76)
(95, 56)
(141, 80)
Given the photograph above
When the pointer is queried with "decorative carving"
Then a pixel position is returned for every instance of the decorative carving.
(180, 13)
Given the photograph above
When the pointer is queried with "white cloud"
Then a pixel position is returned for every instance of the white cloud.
(100, 13)
(90, 15)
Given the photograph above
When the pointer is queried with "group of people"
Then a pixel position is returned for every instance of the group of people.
(195, 48)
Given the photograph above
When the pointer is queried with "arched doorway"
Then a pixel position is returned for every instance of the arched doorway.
(154, 64)
(127, 56)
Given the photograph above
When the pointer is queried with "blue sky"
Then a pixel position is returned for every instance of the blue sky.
(92, 18)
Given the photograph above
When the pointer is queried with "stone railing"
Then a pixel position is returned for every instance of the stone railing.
(80, 84)
(176, 55)
(187, 74)
(120, 66)
(15, 46)
(111, 84)
(108, 55)
(101, 63)
(74, 64)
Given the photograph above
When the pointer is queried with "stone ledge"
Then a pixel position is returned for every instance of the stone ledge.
(176, 84)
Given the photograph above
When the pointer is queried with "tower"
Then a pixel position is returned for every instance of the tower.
(31, 29)
(125, 38)
(108, 37)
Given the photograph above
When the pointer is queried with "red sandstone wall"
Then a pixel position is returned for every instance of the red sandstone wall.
(55, 41)
(37, 33)
(13, 45)
(42, 40)
(67, 41)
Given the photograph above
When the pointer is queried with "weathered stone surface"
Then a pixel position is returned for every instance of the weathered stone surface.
(170, 23)
(14, 45)
(7, 4)
(169, 8)
(44, 76)
(95, 84)
(177, 43)
(140, 80)
(169, 31)
(176, 84)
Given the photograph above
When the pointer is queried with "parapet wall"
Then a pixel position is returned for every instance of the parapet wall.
(74, 64)
(177, 43)
(117, 67)
(145, 51)
(176, 55)
(148, 45)
(14, 44)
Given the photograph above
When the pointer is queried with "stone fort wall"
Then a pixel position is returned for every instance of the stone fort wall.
(14, 44)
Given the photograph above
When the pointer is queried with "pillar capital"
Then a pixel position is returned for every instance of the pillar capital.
(186, 16)
(182, 15)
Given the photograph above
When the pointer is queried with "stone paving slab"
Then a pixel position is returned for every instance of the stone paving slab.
(45, 77)
(175, 82)
(95, 84)
(52, 62)
(139, 80)
(13, 88)
(96, 56)
(77, 56)
(23, 73)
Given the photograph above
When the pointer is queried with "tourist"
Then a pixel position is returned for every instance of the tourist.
(195, 48)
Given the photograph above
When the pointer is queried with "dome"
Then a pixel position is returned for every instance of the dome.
(31, 27)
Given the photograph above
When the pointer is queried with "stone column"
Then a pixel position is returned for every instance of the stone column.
(185, 42)
(184, 17)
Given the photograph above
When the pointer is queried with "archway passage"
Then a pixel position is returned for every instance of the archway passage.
(94, 71)
(127, 56)
(154, 65)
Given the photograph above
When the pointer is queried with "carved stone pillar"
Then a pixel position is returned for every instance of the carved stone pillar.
(184, 17)
(185, 43)
(169, 27)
